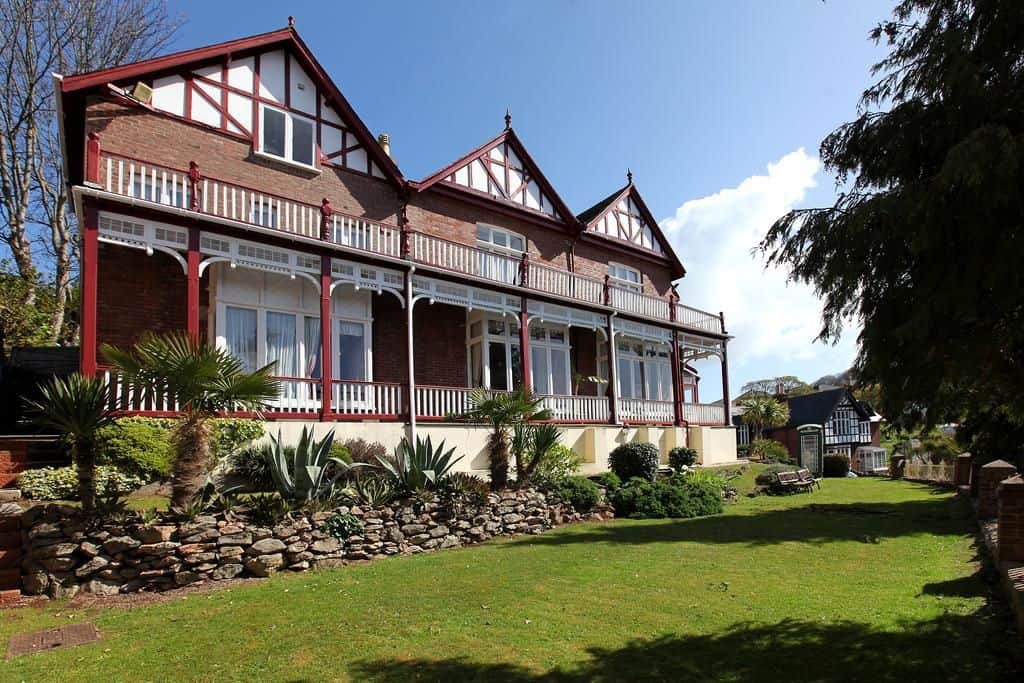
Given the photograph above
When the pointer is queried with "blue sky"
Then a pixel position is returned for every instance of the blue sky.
(718, 108)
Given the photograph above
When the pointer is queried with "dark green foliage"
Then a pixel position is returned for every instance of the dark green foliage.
(466, 487)
(375, 489)
(341, 452)
(422, 466)
(137, 445)
(835, 466)
(343, 525)
(580, 492)
(675, 496)
(992, 435)
(231, 434)
(680, 457)
(558, 463)
(769, 450)
(267, 509)
(635, 460)
(769, 476)
(609, 480)
(922, 247)
(250, 464)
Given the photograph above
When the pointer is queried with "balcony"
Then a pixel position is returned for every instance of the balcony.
(142, 181)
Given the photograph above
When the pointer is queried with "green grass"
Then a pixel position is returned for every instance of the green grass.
(867, 579)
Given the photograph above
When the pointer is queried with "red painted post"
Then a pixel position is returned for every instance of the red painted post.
(325, 335)
(524, 270)
(90, 254)
(406, 234)
(92, 158)
(607, 290)
(524, 346)
(193, 180)
(192, 288)
(326, 211)
(673, 299)
(677, 384)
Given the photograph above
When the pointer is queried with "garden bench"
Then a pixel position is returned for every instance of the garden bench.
(806, 476)
(790, 481)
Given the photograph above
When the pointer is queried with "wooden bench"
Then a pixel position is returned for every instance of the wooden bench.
(806, 476)
(791, 481)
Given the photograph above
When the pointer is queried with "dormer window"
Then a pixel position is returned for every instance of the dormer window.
(497, 239)
(625, 277)
(287, 136)
(500, 253)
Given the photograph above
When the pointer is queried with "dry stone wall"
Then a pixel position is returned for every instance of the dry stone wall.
(62, 555)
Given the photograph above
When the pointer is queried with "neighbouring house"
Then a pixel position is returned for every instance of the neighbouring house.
(832, 422)
(232, 191)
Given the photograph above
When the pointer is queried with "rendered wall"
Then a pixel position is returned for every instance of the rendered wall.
(715, 445)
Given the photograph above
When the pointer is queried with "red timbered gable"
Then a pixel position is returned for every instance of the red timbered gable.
(623, 215)
(503, 170)
(268, 89)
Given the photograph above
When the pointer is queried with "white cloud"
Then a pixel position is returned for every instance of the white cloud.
(774, 322)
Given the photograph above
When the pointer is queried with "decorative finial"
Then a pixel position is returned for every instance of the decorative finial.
(508, 119)
(629, 176)
(291, 22)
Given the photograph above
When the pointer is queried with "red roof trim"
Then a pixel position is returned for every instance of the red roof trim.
(631, 191)
(286, 37)
(507, 135)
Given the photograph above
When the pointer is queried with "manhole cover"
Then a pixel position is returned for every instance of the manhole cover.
(51, 638)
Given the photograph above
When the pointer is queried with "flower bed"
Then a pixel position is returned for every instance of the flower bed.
(62, 555)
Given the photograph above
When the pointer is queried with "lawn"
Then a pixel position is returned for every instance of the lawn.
(867, 579)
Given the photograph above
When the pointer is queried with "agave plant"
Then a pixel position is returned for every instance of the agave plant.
(418, 467)
(375, 490)
(313, 472)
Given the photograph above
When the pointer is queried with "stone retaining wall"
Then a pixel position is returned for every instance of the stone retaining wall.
(62, 555)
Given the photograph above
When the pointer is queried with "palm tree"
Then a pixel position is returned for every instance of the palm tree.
(501, 411)
(761, 412)
(77, 407)
(205, 381)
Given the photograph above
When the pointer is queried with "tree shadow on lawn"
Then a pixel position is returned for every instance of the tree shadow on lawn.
(950, 648)
(815, 523)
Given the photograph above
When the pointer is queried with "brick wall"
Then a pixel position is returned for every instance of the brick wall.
(592, 260)
(439, 344)
(1010, 524)
(389, 342)
(992, 474)
(139, 293)
(13, 456)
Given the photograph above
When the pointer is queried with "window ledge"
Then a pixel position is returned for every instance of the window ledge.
(273, 158)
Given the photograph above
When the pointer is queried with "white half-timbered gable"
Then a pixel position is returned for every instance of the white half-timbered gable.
(270, 98)
(626, 218)
(500, 172)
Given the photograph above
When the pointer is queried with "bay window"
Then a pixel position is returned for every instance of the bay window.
(494, 359)
(644, 369)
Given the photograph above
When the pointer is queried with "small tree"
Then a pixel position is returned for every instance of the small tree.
(204, 380)
(77, 407)
(761, 412)
(501, 411)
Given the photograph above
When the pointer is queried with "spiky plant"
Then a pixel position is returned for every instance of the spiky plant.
(205, 381)
(761, 412)
(311, 473)
(501, 411)
(530, 443)
(420, 466)
(77, 407)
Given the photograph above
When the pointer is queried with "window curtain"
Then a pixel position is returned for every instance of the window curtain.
(281, 346)
(312, 344)
(240, 324)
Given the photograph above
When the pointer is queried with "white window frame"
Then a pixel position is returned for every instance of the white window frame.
(613, 273)
(550, 347)
(509, 338)
(489, 244)
(642, 365)
(289, 138)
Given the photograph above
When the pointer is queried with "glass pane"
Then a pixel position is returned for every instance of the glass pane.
(516, 242)
(666, 382)
(273, 132)
(496, 327)
(517, 366)
(539, 368)
(626, 378)
(539, 333)
(302, 141)
(559, 372)
(557, 336)
(498, 238)
(638, 383)
(240, 332)
(483, 234)
(498, 366)
(281, 346)
(311, 339)
(476, 366)
(351, 352)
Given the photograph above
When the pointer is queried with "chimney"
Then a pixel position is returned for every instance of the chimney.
(385, 143)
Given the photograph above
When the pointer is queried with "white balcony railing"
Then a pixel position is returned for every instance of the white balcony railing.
(378, 399)
(639, 303)
(703, 414)
(298, 395)
(371, 236)
(439, 402)
(640, 410)
(563, 283)
(578, 408)
(698, 319)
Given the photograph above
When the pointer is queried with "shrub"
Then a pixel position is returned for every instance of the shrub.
(770, 475)
(677, 496)
(341, 452)
(609, 480)
(138, 446)
(557, 464)
(635, 460)
(681, 457)
(343, 525)
(230, 434)
(769, 450)
(364, 451)
(61, 483)
(467, 487)
(580, 492)
(268, 509)
(375, 490)
(835, 466)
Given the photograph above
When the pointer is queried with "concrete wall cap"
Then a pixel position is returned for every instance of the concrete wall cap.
(1001, 464)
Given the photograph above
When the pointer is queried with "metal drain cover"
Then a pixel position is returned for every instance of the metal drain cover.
(51, 638)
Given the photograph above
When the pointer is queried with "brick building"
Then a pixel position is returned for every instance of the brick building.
(233, 192)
